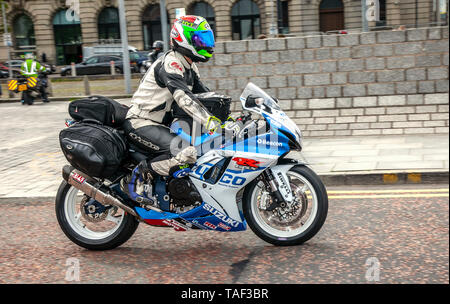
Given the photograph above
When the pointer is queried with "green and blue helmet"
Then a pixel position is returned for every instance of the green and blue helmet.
(192, 36)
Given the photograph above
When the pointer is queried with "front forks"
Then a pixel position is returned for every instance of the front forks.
(272, 184)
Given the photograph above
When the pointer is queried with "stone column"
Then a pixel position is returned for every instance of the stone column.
(222, 9)
(42, 14)
(89, 11)
(295, 13)
(393, 15)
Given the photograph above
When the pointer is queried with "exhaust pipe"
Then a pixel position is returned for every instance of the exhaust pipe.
(81, 181)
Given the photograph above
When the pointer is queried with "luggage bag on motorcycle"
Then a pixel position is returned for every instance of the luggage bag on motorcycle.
(102, 109)
(217, 105)
(94, 149)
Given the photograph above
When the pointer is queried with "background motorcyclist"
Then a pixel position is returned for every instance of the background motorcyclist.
(158, 51)
(174, 77)
(32, 68)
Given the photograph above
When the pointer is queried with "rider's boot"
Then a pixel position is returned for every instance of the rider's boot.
(186, 157)
(134, 185)
(44, 96)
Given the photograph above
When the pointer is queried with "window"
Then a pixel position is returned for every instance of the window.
(24, 31)
(331, 14)
(246, 21)
(151, 24)
(206, 11)
(382, 21)
(284, 17)
(331, 4)
(108, 24)
(68, 39)
(92, 60)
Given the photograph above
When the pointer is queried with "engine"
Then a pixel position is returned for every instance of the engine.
(183, 192)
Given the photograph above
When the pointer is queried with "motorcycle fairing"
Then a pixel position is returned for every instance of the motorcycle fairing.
(204, 217)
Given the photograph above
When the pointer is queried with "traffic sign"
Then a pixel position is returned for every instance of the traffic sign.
(7, 39)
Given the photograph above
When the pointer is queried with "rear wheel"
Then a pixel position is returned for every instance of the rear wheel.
(299, 221)
(28, 99)
(90, 224)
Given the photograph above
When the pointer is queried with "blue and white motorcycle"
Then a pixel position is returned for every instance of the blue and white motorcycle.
(246, 179)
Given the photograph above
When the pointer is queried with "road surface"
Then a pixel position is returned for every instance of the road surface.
(389, 234)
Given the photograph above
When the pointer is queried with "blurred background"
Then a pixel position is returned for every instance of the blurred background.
(60, 32)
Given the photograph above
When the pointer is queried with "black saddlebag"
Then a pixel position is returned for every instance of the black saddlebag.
(94, 149)
(218, 105)
(102, 109)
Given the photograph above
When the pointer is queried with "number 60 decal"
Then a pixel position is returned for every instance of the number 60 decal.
(234, 180)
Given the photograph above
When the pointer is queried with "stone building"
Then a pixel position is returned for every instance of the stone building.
(60, 28)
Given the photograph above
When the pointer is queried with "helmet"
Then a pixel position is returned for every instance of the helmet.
(192, 36)
(158, 44)
(29, 56)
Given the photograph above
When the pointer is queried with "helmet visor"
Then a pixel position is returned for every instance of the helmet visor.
(203, 39)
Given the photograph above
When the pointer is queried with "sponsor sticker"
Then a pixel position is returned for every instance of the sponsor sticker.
(223, 226)
(269, 143)
(221, 216)
(77, 177)
(209, 225)
(176, 66)
(176, 225)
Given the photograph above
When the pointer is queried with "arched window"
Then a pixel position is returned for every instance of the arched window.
(108, 24)
(331, 15)
(23, 31)
(151, 25)
(246, 21)
(206, 11)
(68, 39)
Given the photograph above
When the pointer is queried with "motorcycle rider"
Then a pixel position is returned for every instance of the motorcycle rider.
(174, 77)
(32, 68)
(158, 51)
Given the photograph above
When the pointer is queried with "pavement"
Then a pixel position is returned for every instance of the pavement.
(31, 160)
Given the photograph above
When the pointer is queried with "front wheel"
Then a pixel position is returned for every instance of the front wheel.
(90, 224)
(299, 221)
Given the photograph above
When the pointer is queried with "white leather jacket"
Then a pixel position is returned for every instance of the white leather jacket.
(170, 78)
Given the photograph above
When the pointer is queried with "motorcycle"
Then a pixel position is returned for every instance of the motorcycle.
(238, 181)
(30, 87)
(146, 65)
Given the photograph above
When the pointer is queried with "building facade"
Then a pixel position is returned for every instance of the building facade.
(60, 28)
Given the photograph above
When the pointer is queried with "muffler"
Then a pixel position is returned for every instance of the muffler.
(82, 182)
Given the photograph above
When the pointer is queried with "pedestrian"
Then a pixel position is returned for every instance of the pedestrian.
(44, 58)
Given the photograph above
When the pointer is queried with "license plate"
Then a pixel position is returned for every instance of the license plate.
(23, 87)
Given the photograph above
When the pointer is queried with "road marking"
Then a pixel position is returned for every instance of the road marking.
(394, 193)
(421, 195)
(24, 142)
(388, 191)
